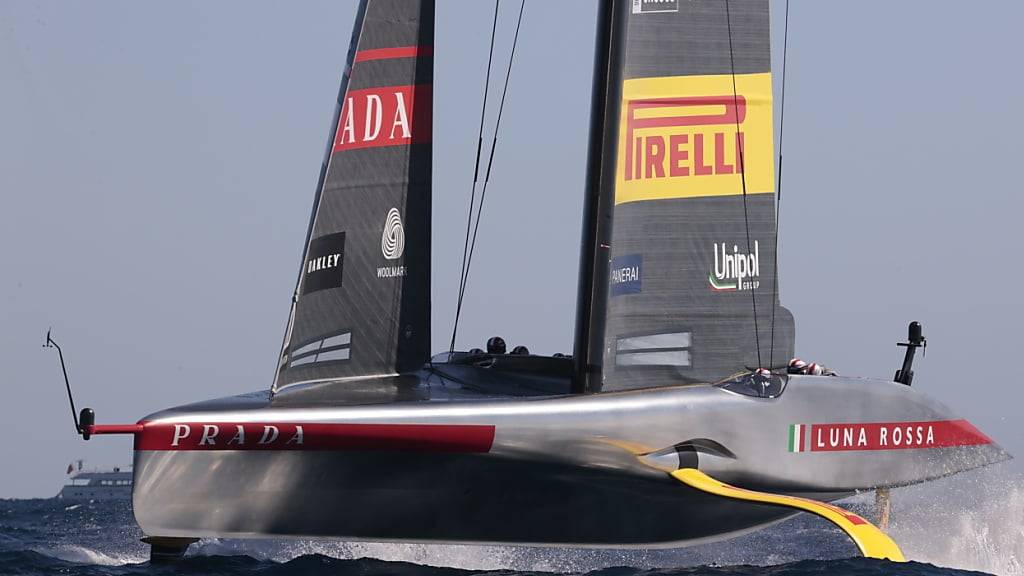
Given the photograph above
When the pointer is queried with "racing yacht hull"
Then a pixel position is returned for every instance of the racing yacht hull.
(558, 470)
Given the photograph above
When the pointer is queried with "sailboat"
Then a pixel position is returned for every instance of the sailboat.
(674, 421)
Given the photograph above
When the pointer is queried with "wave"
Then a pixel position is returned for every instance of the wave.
(30, 564)
(970, 522)
(81, 555)
(974, 521)
(441, 556)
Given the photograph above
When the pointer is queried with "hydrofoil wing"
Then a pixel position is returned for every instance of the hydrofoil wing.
(872, 542)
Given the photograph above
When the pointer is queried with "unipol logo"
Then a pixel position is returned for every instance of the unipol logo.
(385, 116)
(735, 271)
(690, 136)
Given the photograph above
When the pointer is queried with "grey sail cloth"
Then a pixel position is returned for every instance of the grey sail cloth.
(680, 306)
(362, 307)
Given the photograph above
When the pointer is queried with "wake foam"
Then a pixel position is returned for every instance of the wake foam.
(465, 557)
(82, 555)
(972, 521)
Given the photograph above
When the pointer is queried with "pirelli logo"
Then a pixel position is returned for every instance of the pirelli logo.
(691, 136)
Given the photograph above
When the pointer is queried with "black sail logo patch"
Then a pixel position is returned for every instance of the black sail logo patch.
(324, 263)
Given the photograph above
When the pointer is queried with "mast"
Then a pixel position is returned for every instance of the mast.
(592, 293)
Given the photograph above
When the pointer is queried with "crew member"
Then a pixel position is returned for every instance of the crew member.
(798, 366)
(495, 345)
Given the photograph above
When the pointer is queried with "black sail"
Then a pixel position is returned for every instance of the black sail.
(693, 228)
(362, 306)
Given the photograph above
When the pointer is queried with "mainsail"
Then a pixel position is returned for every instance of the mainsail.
(693, 224)
(362, 304)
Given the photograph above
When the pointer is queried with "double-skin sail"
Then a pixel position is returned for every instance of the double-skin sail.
(362, 307)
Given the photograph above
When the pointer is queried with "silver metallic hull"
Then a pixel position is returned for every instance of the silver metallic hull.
(564, 470)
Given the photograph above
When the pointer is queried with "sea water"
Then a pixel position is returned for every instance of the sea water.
(972, 522)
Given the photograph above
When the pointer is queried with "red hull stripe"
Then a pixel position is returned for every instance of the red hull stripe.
(894, 435)
(115, 428)
(449, 438)
(397, 52)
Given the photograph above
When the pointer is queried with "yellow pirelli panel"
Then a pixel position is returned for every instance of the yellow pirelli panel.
(872, 542)
(689, 136)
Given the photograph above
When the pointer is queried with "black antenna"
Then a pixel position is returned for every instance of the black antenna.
(915, 340)
(67, 384)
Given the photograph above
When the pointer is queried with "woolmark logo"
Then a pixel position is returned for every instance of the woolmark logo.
(735, 271)
(386, 116)
(392, 245)
(392, 242)
(691, 136)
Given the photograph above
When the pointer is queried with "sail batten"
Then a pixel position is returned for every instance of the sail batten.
(363, 304)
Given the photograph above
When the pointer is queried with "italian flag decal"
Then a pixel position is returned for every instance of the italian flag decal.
(796, 438)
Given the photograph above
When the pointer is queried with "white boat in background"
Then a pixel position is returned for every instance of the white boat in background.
(97, 484)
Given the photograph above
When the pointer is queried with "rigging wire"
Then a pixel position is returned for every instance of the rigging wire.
(476, 175)
(487, 175)
(778, 187)
(743, 174)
